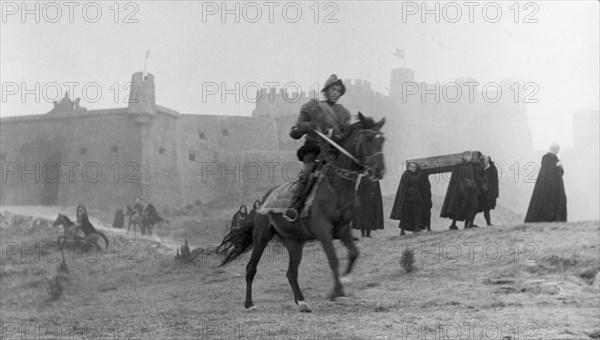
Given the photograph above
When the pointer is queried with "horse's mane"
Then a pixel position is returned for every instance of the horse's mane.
(365, 123)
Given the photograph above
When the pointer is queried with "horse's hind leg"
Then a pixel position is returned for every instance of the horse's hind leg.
(261, 236)
(295, 250)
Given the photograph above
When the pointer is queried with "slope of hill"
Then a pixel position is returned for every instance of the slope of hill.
(535, 281)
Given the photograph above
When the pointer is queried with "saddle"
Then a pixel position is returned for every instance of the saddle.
(280, 199)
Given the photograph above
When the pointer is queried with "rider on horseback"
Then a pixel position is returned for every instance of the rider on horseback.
(80, 210)
(316, 114)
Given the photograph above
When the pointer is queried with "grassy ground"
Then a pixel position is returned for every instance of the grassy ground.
(511, 281)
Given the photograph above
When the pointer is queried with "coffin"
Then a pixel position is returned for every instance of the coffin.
(437, 164)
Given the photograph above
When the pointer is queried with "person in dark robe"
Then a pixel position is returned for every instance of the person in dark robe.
(369, 213)
(79, 211)
(119, 220)
(239, 217)
(252, 212)
(549, 201)
(481, 187)
(412, 205)
(493, 191)
(461, 201)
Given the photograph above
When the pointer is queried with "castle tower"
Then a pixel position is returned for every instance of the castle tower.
(142, 99)
(400, 75)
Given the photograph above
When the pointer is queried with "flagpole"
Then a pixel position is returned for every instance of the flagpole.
(145, 62)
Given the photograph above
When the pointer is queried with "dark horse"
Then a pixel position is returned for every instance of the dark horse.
(134, 219)
(71, 231)
(146, 219)
(330, 214)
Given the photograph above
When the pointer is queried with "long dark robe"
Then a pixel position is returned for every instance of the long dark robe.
(493, 192)
(461, 199)
(548, 201)
(369, 213)
(152, 214)
(119, 220)
(412, 204)
(480, 185)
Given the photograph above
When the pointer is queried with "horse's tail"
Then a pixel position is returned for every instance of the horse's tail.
(104, 237)
(235, 243)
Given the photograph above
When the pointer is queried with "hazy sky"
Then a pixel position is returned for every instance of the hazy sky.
(191, 48)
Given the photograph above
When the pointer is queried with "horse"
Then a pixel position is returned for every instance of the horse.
(71, 229)
(134, 218)
(330, 214)
(146, 219)
(150, 218)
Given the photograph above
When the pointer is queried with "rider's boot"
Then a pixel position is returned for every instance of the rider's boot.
(299, 195)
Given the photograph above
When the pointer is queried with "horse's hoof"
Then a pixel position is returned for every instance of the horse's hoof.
(303, 306)
(342, 300)
(251, 309)
(346, 279)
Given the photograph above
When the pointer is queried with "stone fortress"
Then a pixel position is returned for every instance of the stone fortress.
(175, 159)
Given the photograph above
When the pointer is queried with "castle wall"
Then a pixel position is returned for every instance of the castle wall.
(90, 171)
(161, 157)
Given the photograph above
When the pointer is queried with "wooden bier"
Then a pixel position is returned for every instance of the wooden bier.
(437, 164)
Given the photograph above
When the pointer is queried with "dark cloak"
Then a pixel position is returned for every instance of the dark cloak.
(369, 212)
(119, 220)
(402, 209)
(548, 201)
(239, 219)
(151, 214)
(461, 199)
(493, 189)
(481, 186)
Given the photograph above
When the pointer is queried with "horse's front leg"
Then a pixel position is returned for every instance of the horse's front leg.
(353, 252)
(323, 230)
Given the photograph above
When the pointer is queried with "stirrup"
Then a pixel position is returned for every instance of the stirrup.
(294, 217)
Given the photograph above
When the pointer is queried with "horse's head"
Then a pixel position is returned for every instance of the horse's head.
(368, 146)
(62, 220)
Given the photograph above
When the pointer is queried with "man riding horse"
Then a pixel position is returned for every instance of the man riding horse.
(145, 215)
(325, 114)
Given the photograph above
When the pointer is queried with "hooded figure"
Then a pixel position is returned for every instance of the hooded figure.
(493, 190)
(119, 220)
(369, 213)
(461, 201)
(549, 201)
(255, 207)
(240, 217)
(412, 205)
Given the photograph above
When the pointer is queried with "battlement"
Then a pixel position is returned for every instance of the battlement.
(275, 102)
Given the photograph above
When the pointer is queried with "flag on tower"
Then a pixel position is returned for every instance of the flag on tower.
(399, 53)
(147, 53)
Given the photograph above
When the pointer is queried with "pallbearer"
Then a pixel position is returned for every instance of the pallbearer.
(412, 205)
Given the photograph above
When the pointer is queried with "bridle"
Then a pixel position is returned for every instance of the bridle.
(348, 174)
